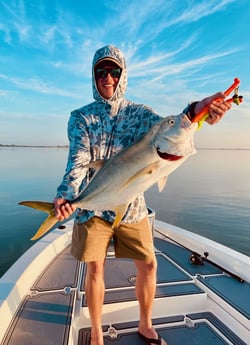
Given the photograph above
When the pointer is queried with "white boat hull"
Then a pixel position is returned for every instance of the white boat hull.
(43, 301)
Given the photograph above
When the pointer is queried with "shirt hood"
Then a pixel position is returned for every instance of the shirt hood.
(114, 54)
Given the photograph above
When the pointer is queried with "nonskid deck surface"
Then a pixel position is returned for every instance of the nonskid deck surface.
(172, 280)
(198, 329)
(120, 276)
(42, 320)
(229, 288)
(45, 315)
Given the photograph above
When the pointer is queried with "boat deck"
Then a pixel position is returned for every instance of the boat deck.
(185, 309)
(202, 328)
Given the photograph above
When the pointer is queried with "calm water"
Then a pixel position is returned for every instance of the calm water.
(209, 194)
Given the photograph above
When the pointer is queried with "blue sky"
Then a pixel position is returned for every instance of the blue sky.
(176, 52)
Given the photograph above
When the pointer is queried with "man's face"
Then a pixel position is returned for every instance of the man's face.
(107, 75)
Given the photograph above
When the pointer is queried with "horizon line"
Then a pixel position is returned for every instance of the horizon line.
(66, 146)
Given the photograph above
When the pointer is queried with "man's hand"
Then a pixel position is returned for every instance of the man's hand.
(217, 107)
(63, 209)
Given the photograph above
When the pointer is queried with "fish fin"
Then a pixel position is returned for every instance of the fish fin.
(49, 221)
(97, 165)
(119, 213)
(161, 183)
(38, 205)
(149, 169)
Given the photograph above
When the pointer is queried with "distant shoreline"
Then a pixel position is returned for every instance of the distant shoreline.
(66, 146)
(36, 146)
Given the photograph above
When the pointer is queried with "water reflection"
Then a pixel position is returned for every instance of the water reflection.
(209, 194)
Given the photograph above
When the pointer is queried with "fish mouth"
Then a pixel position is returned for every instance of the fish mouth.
(168, 156)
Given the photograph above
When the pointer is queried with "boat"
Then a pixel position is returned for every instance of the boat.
(202, 295)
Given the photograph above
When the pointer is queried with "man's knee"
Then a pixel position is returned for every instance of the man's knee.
(147, 267)
(151, 266)
(95, 269)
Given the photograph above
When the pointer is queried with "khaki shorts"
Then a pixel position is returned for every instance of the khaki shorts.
(90, 240)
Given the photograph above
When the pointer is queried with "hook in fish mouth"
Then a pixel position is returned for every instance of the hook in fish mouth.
(168, 156)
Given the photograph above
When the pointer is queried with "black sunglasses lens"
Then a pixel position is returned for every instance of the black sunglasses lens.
(103, 72)
(115, 72)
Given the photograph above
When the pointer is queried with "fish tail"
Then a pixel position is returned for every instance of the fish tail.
(50, 221)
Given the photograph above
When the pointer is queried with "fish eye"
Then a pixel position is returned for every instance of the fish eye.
(171, 122)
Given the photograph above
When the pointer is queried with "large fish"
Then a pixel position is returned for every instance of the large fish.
(132, 171)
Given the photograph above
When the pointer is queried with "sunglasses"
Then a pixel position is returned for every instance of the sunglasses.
(115, 72)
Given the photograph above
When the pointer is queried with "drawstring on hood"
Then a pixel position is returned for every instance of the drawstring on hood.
(114, 54)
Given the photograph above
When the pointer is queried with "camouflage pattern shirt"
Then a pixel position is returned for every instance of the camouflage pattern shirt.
(100, 130)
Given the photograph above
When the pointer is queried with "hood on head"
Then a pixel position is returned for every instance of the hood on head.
(110, 53)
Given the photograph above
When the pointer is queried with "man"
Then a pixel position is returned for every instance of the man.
(98, 131)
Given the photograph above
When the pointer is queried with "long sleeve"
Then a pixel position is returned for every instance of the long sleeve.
(95, 134)
(79, 155)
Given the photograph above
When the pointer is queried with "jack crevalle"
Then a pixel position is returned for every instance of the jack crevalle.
(132, 171)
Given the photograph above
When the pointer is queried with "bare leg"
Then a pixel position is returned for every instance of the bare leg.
(145, 292)
(95, 296)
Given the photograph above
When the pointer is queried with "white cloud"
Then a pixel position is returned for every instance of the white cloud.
(57, 45)
(136, 21)
(194, 10)
(158, 67)
(37, 85)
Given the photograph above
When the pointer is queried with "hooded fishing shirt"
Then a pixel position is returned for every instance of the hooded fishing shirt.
(100, 130)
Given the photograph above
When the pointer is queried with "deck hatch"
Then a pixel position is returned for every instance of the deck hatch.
(233, 291)
(120, 287)
(62, 272)
(125, 295)
(219, 325)
(181, 256)
(118, 273)
(207, 330)
(43, 320)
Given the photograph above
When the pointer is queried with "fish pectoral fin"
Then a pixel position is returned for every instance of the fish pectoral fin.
(119, 213)
(50, 221)
(161, 183)
(148, 170)
(97, 165)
